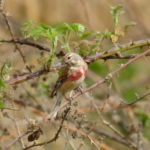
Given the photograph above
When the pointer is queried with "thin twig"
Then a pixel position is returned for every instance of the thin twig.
(32, 75)
(15, 140)
(18, 132)
(115, 50)
(134, 102)
(56, 135)
(111, 136)
(26, 42)
(13, 37)
(93, 129)
(109, 54)
(109, 76)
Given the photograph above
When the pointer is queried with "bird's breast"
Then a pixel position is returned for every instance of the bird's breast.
(78, 74)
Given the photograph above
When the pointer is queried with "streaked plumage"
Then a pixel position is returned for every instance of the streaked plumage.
(71, 76)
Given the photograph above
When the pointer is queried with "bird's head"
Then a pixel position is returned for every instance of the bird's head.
(73, 59)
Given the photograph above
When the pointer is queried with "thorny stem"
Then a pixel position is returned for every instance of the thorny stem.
(109, 76)
(109, 54)
(56, 135)
(121, 48)
(26, 42)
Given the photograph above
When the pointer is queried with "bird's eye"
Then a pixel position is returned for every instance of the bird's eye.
(69, 57)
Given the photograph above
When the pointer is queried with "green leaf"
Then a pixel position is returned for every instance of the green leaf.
(106, 34)
(1, 95)
(1, 105)
(37, 31)
(87, 34)
(143, 116)
(26, 27)
(78, 28)
(116, 13)
(29, 23)
(2, 84)
(63, 28)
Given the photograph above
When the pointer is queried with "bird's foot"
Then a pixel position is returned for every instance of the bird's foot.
(69, 99)
(80, 89)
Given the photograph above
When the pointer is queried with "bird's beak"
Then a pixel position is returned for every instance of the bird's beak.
(63, 62)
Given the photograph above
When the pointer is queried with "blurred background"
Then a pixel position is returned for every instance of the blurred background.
(127, 86)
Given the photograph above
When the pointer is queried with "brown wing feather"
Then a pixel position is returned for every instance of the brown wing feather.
(62, 78)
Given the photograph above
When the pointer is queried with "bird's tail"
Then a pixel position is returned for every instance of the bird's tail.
(57, 103)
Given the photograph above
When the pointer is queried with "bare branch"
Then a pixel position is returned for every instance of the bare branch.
(56, 135)
(109, 54)
(134, 102)
(26, 42)
(112, 137)
(121, 48)
(16, 139)
(13, 37)
(109, 76)
(32, 75)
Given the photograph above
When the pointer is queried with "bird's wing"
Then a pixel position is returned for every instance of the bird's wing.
(62, 78)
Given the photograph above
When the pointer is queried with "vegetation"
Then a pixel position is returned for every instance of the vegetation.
(111, 112)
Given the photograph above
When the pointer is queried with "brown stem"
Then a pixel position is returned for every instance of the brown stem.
(56, 135)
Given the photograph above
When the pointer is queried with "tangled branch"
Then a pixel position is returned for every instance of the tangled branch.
(108, 54)
(56, 135)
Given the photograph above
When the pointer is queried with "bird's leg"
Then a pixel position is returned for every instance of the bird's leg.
(80, 89)
(69, 99)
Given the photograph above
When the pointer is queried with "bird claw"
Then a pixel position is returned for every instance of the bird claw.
(81, 90)
(69, 99)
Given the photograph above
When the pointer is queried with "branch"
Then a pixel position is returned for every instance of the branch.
(26, 42)
(109, 54)
(56, 135)
(108, 77)
(134, 102)
(121, 48)
(111, 136)
(16, 140)
(13, 37)
(32, 75)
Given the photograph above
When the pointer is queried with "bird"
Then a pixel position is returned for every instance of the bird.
(71, 77)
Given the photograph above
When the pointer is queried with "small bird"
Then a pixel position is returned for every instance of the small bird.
(71, 77)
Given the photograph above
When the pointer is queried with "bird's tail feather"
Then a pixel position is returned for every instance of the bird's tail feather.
(57, 103)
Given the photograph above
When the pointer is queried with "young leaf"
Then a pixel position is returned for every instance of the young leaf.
(106, 34)
(87, 34)
(116, 13)
(63, 28)
(78, 28)
(2, 84)
(36, 32)
(1, 105)
(26, 27)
